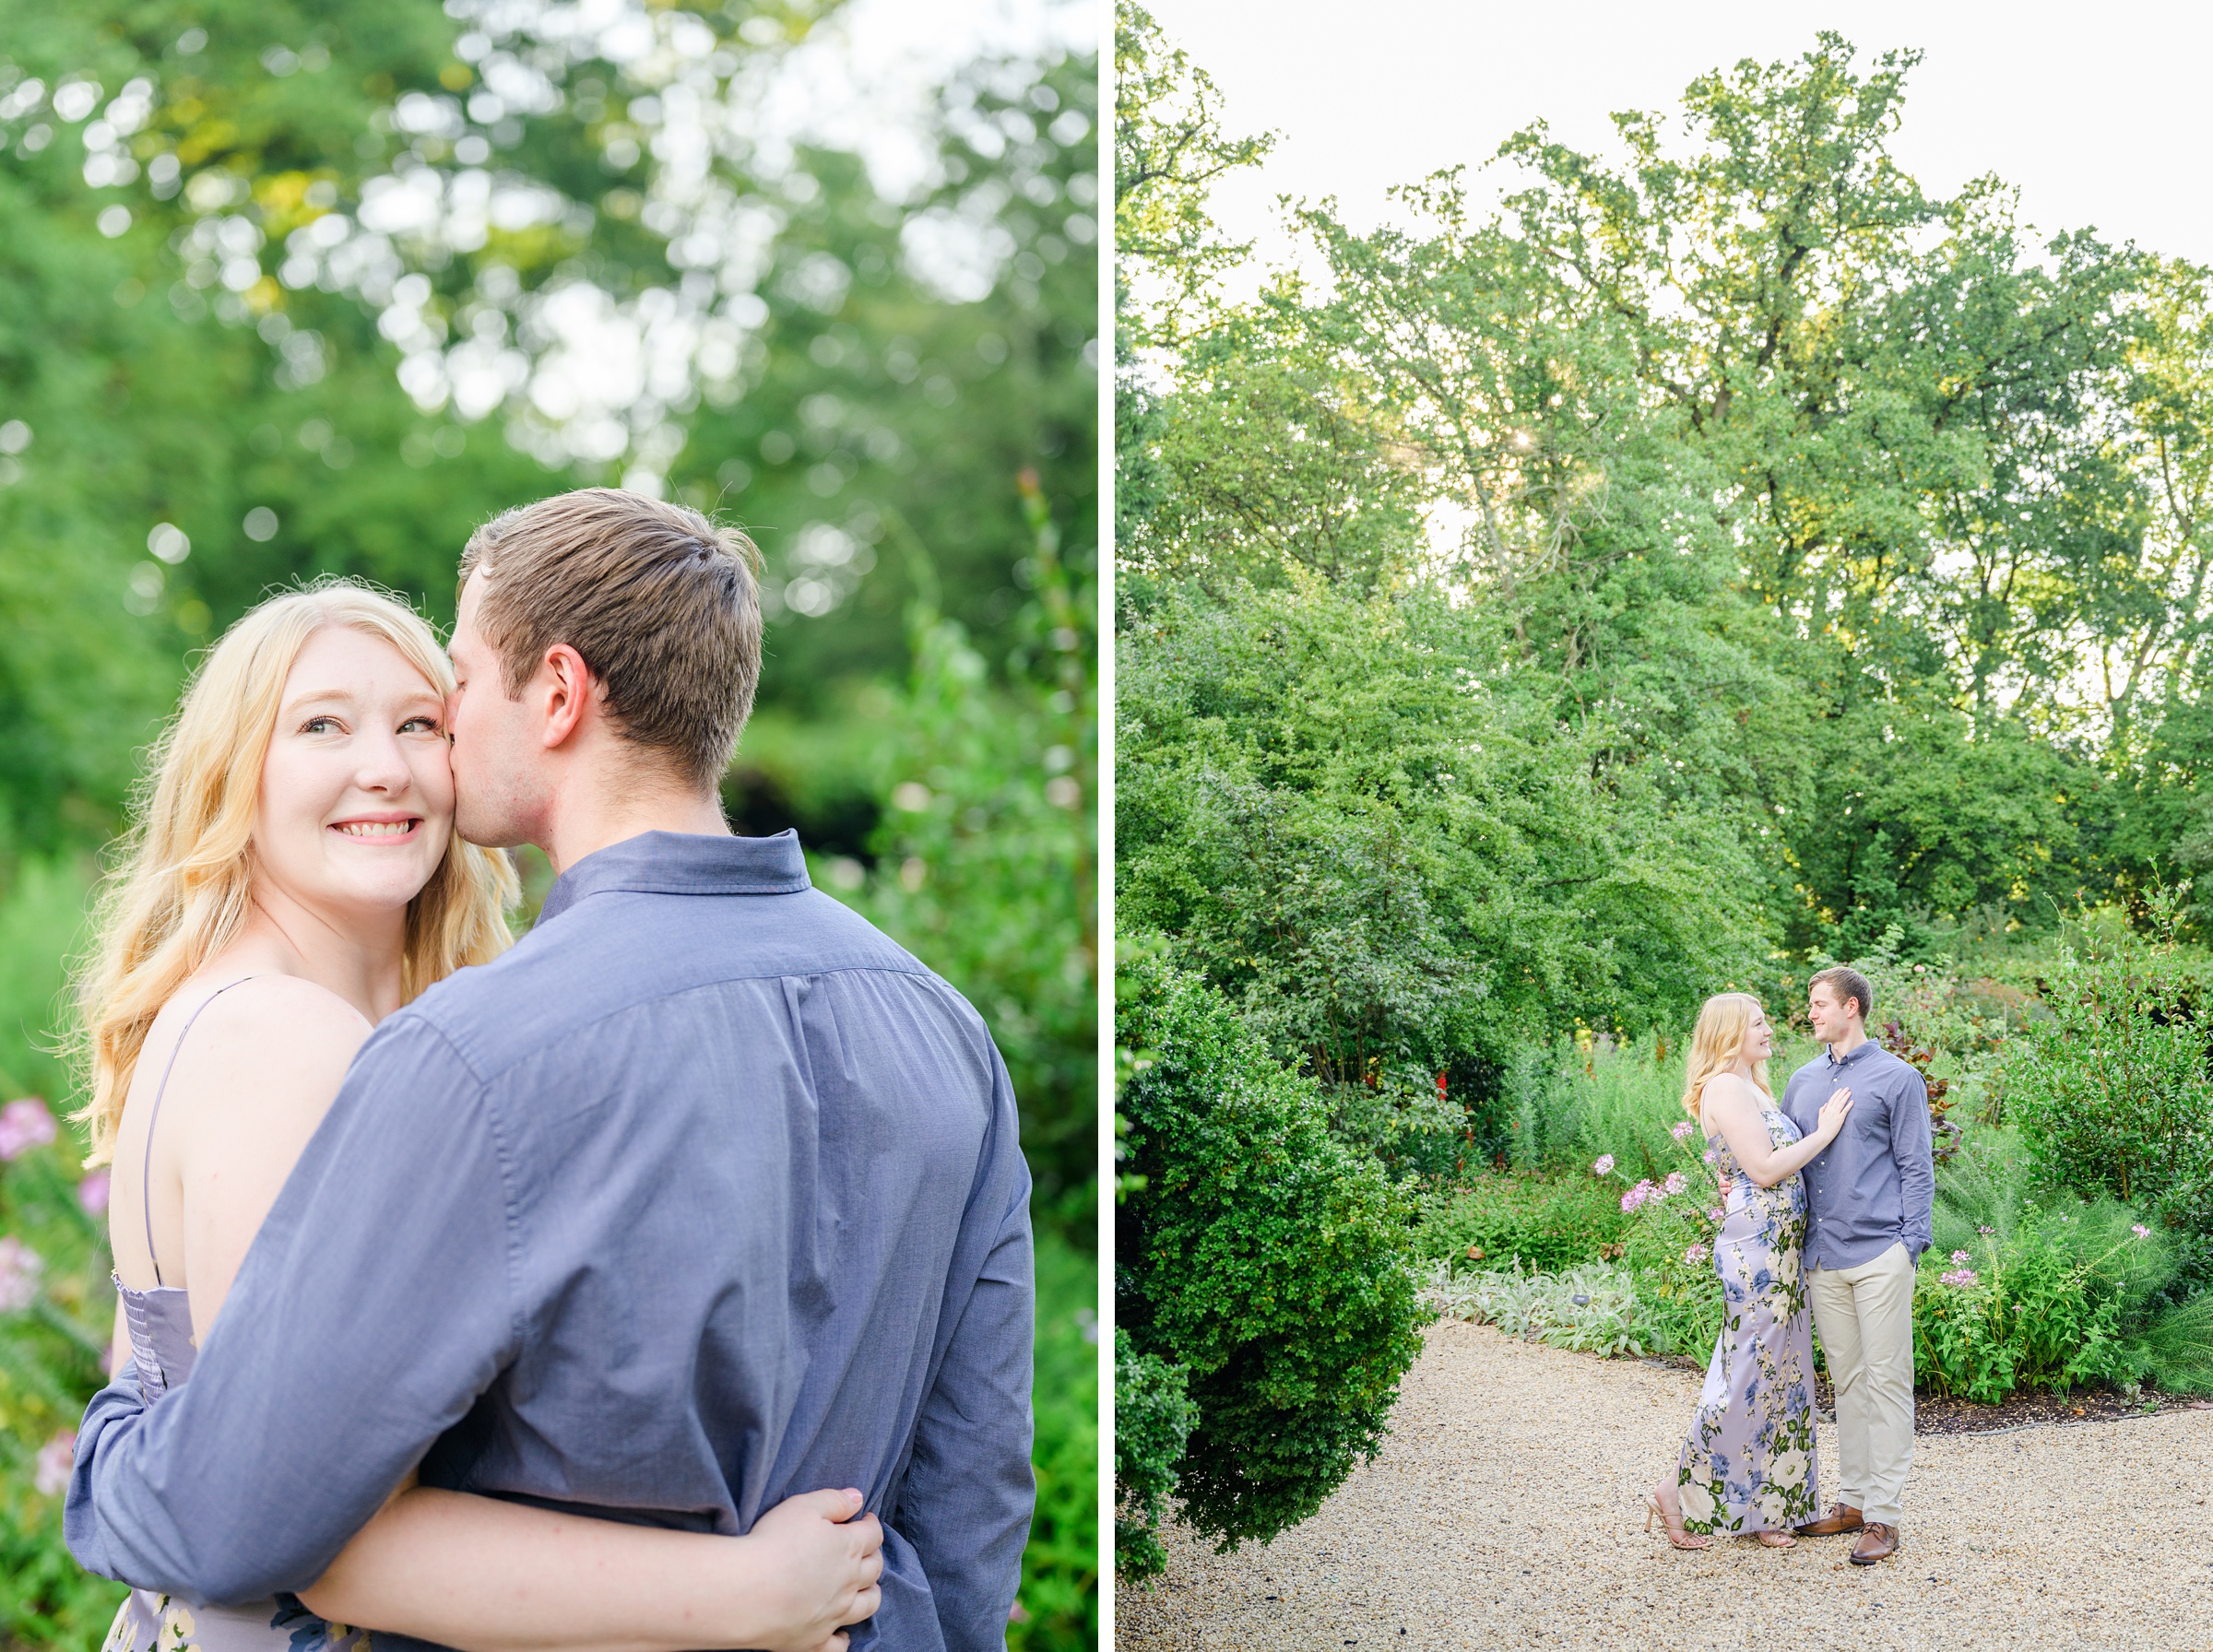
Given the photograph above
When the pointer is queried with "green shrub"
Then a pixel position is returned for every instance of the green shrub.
(1386, 853)
(2022, 1292)
(2110, 1093)
(1153, 1415)
(1548, 1222)
(1264, 1254)
(1402, 1120)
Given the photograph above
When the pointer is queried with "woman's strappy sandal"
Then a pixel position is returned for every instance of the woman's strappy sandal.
(1672, 1525)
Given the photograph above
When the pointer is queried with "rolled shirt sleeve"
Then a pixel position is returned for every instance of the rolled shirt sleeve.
(1910, 1147)
(969, 1491)
(376, 1303)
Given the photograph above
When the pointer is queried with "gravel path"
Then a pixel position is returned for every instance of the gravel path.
(1504, 1512)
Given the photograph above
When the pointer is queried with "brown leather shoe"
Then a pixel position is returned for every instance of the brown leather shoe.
(1841, 1518)
(1878, 1542)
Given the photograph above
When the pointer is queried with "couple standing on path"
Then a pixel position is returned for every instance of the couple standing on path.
(1828, 1201)
(662, 1280)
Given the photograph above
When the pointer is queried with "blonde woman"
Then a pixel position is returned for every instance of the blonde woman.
(1749, 1465)
(294, 879)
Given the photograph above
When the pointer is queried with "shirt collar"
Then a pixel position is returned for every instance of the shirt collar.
(1859, 1050)
(682, 863)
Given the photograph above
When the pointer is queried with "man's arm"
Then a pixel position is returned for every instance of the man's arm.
(375, 1305)
(1916, 1162)
(968, 1493)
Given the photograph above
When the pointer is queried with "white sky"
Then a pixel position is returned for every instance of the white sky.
(869, 72)
(2097, 112)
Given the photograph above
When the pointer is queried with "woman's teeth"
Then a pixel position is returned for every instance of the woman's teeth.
(376, 828)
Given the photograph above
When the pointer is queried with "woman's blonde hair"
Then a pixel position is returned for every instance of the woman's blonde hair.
(1724, 1021)
(182, 883)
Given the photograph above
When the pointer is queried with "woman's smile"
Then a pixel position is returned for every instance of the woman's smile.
(379, 829)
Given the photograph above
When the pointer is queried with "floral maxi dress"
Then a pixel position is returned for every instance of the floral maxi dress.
(1749, 1463)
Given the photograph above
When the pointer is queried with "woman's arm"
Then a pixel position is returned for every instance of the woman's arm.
(490, 1576)
(475, 1573)
(1728, 1105)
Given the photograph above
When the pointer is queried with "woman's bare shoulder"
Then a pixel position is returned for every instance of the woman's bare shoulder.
(272, 1038)
(1729, 1089)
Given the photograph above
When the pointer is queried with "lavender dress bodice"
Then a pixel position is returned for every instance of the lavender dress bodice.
(162, 1350)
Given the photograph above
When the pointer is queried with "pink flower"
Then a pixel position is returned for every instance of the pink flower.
(2140, 1230)
(1695, 1252)
(1674, 1182)
(50, 1472)
(92, 1192)
(19, 1270)
(1638, 1195)
(1681, 1130)
(1959, 1256)
(24, 1125)
(1986, 1230)
(1717, 1216)
(1961, 1277)
(1603, 1166)
(1709, 1155)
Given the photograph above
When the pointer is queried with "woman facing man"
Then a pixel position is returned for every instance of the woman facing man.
(1826, 1206)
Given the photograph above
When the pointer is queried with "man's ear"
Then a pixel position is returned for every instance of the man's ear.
(569, 688)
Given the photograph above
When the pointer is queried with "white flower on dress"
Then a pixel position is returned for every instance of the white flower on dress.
(1697, 1501)
(1769, 1505)
(1788, 1470)
(1786, 1266)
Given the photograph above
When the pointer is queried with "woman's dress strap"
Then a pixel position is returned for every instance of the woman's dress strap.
(146, 1190)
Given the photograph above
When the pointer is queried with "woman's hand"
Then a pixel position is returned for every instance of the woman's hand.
(1832, 1114)
(824, 1563)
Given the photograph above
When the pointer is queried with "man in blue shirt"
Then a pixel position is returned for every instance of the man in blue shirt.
(704, 1193)
(1870, 1193)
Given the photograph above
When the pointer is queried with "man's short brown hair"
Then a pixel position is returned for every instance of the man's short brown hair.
(661, 603)
(1844, 982)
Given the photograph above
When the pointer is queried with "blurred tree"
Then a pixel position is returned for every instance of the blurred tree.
(376, 243)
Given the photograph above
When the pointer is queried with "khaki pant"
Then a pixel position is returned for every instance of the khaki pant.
(1866, 1317)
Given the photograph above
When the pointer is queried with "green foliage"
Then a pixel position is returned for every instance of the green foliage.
(986, 856)
(1059, 1605)
(1154, 1416)
(1332, 812)
(2110, 1093)
(2022, 1292)
(1679, 1302)
(1547, 1224)
(52, 1347)
(1910, 612)
(1263, 1256)
(1591, 1309)
(1566, 1106)
(1169, 149)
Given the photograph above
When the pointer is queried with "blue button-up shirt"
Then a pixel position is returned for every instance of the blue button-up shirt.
(702, 1195)
(1873, 1186)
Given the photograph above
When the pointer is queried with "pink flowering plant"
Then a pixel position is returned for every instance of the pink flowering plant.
(1675, 1215)
(2018, 1293)
(56, 1315)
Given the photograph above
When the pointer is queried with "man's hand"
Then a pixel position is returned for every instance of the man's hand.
(820, 1565)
